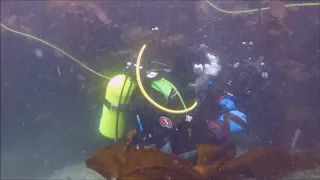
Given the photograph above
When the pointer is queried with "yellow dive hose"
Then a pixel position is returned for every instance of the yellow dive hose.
(56, 48)
(257, 10)
(144, 93)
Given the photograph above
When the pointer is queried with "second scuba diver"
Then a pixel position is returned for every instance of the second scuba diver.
(231, 120)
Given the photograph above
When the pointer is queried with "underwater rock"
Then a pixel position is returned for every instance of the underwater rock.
(137, 35)
(262, 162)
(80, 7)
(294, 70)
(295, 116)
(175, 40)
(277, 9)
(44, 116)
(308, 174)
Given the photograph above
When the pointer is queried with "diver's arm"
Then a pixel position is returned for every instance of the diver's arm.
(200, 87)
(234, 118)
(135, 109)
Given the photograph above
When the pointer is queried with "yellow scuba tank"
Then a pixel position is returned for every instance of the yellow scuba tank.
(118, 95)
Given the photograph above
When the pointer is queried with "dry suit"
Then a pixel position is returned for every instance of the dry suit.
(169, 133)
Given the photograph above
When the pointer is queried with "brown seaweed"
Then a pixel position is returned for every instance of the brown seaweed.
(126, 162)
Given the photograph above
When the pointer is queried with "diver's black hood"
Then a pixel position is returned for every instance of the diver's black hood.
(183, 64)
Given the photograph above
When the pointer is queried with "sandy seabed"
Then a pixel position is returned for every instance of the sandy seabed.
(77, 171)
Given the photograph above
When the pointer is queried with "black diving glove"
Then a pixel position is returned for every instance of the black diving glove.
(139, 140)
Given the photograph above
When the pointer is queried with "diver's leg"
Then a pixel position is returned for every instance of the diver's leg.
(184, 144)
(166, 148)
(189, 155)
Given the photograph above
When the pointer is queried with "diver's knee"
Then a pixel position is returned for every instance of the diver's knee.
(189, 155)
(167, 148)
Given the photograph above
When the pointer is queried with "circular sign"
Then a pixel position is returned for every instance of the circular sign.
(165, 122)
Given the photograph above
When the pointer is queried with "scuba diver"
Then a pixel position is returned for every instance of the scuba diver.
(125, 107)
(172, 133)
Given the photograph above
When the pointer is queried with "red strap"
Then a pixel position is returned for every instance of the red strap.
(218, 127)
(220, 99)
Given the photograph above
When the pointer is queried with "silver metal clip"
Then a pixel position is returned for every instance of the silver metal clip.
(114, 107)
